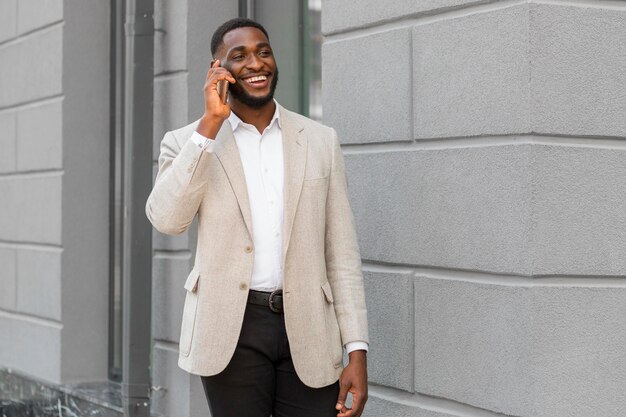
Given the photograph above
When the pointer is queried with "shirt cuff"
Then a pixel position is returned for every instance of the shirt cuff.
(352, 346)
(203, 143)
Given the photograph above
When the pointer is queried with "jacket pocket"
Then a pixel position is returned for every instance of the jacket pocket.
(189, 312)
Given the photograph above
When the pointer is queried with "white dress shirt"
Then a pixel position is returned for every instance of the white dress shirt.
(263, 165)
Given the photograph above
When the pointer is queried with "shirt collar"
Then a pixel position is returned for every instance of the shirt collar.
(235, 121)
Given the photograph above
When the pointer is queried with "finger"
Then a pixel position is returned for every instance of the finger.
(343, 394)
(346, 412)
(216, 63)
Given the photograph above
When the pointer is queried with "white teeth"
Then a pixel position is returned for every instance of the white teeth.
(255, 79)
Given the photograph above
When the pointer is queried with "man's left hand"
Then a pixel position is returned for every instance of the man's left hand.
(353, 379)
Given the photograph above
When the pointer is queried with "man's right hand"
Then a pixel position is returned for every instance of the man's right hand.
(215, 112)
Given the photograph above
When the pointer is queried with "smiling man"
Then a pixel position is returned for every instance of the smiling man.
(276, 292)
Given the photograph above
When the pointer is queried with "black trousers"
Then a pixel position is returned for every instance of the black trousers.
(260, 379)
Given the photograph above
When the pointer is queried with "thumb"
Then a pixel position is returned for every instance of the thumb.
(343, 394)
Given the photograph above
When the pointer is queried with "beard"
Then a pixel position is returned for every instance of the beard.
(238, 93)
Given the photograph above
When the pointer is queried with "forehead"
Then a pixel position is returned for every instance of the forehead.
(245, 36)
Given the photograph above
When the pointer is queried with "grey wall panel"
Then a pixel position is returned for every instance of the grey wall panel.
(471, 75)
(86, 163)
(365, 95)
(464, 208)
(579, 210)
(31, 67)
(8, 19)
(8, 156)
(39, 283)
(389, 299)
(8, 278)
(40, 136)
(31, 346)
(578, 78)
(8, 223)
(378, 406)
(578, 361)
(338, 15)
(34, 195)
(472, 344)
(168, 278)
(33, 14)
(170, 111)
(170, 36)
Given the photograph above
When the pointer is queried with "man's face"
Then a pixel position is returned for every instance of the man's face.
(248, 56)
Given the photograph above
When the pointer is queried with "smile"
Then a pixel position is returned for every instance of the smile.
(258, 79)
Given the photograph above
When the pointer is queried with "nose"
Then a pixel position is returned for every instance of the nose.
(254, 62)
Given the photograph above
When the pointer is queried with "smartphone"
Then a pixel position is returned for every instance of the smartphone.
(222, 90)
(222, 87)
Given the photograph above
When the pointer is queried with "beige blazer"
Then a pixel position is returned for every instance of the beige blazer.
(323, 285)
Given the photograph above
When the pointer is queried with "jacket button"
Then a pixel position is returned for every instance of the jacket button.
(243, 286)
(248, 249)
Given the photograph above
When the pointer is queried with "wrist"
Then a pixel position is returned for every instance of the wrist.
(209, 126)
(358, 356)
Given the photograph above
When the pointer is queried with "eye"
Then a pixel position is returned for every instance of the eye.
(237, 57)
(265, 53)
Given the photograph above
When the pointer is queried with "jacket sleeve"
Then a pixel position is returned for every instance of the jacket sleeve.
(343, 259)
(179, 186)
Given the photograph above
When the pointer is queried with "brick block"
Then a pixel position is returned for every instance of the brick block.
(579, 212)
(8, 156)
(338, 15)
(378, 406)
(471, 75)
(8, 278)
(33, 14)
(170, 36)
(40, 137)
(33, 196)
(389, 299)
(578, 78)
(168, 295)
(172, 397)
(170, 106)
(32, 348)
(8, 19)
(578, 362)
(31, 68)
(39, 283)
(472, 344)
(9, 208)
(466, 208)
(362, 99)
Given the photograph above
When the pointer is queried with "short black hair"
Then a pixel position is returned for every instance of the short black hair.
(240, 22)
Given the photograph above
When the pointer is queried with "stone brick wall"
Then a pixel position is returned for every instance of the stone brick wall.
(484, 142)
(53, 240)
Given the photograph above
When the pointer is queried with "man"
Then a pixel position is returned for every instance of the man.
(276, 291)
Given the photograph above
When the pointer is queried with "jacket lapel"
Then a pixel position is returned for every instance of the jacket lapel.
(294, 154)
(226, 151)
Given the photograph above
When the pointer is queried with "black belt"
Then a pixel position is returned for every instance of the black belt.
(272, 300)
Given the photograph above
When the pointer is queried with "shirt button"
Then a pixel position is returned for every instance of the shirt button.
(243, 286)
(248, 249)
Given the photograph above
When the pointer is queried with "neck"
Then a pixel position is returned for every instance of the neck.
(259, 117)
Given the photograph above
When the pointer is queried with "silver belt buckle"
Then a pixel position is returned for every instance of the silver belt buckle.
(271, 299)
